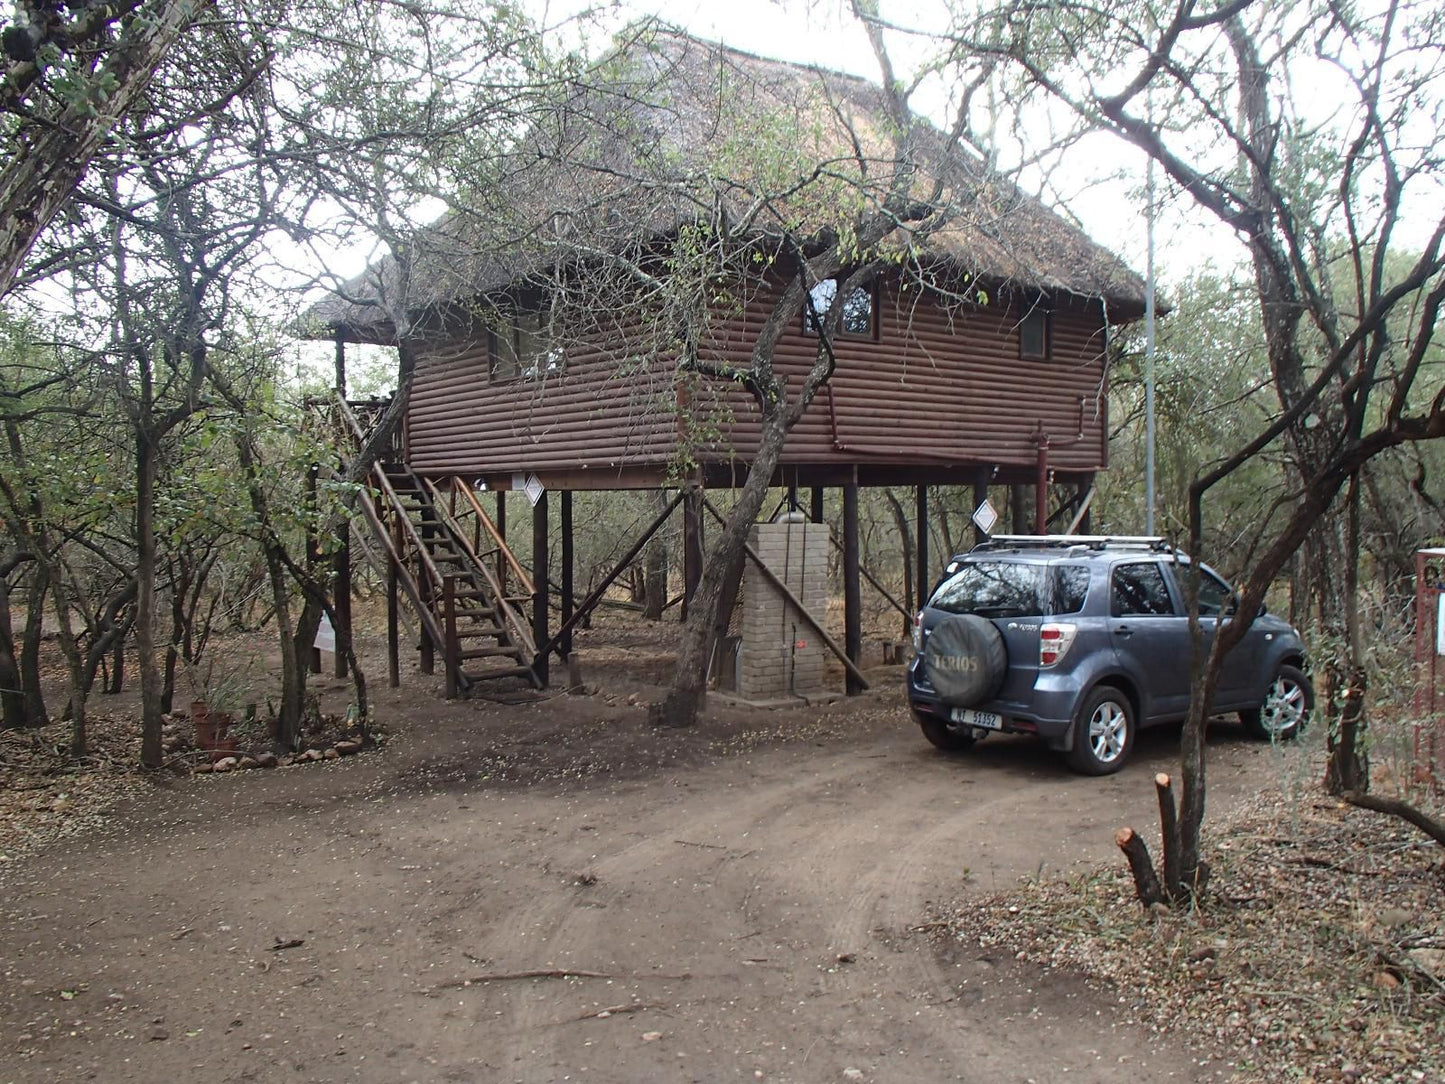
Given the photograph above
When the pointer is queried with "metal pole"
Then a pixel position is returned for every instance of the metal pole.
(1149, 344)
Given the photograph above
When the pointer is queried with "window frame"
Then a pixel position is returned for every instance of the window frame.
(1158, 568)
(1044, 319)
(547, 359)
(871, 335)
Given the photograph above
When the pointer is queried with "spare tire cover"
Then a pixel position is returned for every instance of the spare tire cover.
(965, 659)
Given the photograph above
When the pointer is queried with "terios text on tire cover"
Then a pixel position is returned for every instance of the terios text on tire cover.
(1080, 640)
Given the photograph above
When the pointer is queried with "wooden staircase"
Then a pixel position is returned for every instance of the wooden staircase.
(457, 585)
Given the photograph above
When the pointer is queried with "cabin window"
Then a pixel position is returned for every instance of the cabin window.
(1034, 334)
(859, 317)
(523, 347)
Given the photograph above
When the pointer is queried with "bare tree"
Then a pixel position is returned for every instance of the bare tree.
(1337, 207)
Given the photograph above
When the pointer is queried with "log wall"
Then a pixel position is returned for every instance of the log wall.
(938, 386)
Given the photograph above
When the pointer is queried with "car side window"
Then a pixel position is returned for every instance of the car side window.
(1139, 589)
(1071, 588)
(1215, 598)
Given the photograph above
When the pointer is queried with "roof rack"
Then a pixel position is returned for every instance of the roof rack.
(1074, 541)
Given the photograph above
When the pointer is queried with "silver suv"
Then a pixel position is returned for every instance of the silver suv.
(1082, 639)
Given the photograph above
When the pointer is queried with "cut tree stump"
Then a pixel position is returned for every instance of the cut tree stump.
(1146, 881)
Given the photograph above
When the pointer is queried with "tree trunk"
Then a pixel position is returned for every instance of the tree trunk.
(151, 753)
(1348, 768)
(293, 658)
(35, 712)
(684, 699)
(12, 696)
(35, 185)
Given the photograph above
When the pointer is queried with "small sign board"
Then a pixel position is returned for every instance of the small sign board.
(985, 516)
(1440, 624)
(534, 489)
(325, 635)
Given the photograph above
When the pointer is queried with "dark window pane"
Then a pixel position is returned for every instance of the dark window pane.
(1139, 589)
(992, 589)
(1071, 587)
(1214, 594)
(856, 317)
(1034, 334)
(858, 313)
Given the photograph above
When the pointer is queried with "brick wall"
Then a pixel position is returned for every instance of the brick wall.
(780, 654)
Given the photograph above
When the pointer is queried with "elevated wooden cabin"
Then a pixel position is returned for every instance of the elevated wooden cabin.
(982, 360)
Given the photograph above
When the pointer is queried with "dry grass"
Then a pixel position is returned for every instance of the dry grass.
(1319, 955)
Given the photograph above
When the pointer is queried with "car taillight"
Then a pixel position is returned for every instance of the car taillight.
(1054, 643)
(918, 633)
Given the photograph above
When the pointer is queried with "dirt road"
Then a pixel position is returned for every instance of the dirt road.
(747, 914)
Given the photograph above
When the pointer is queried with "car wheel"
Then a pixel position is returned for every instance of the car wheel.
(1103, 733)
(1286, 708)
(943, 734)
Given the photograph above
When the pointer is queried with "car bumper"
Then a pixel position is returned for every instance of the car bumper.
(1048, 714)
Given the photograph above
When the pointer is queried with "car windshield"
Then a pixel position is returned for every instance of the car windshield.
(992, 589)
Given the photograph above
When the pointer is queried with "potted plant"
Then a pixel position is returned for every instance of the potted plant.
(216, 690)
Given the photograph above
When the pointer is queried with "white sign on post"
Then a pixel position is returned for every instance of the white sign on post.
(534, 489)
(984, 516)
(325, 635)
(1440, 623)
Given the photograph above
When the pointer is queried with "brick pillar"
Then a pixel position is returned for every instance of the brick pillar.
(781, 656)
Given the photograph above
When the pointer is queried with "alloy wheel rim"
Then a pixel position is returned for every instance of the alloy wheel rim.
(1284, 707)
(1108, 731)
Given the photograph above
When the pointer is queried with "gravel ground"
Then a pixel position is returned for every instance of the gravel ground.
(1319, 954)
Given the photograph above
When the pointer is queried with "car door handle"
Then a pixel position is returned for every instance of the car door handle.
(1123, 630)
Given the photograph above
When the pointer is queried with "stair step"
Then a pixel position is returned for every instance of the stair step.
(480, 634)
(507, 671)
(486, 653)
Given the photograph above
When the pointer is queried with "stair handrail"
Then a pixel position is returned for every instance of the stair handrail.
(515, 626)
(404, 576)
(384, 484)
(459, 485)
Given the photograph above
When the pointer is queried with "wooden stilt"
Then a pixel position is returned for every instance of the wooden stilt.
(852, 590)
(817, 505)
(565, 646)
(502, 534)
(449, 610)
(924, 577)
(541, 596)
(393, 645)
(980, 494)
(691, 545)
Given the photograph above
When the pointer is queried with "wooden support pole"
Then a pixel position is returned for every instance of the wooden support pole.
(541, 596)
(923, 579)
(451, 650)
(502, 536)
(980, 494)
(816, 512)
(852, 590)
(565, 644)
(341, 568)
(393, 614)
(691, 545)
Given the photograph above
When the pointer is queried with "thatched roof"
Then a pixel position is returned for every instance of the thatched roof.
(668, 129)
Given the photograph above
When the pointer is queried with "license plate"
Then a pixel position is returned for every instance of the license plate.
(985, 720)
